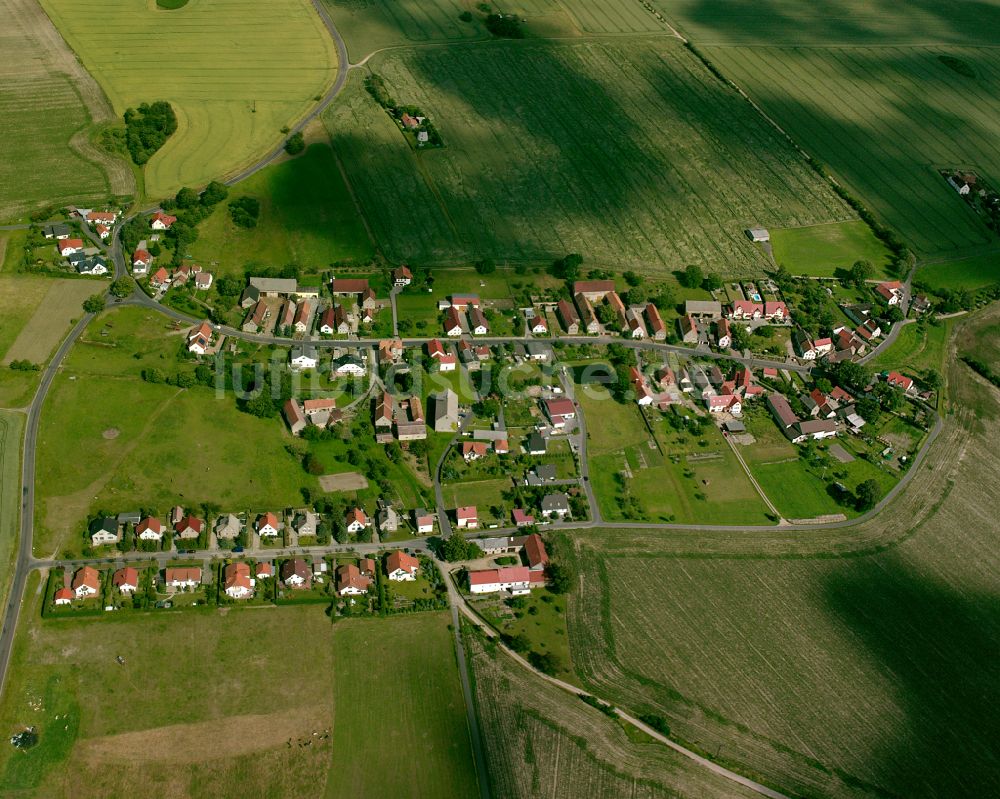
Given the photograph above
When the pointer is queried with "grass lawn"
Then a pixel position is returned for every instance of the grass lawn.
(618, 193)
(307, 217)
(822, 250)
(398, 700)
(969, 273)
(481, 493)
(611, 425)
(917, 348)
(225, 72)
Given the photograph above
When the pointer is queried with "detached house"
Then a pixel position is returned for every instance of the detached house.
(399, 566)
(86, 582)
(305, 523)
(515, 579)
(452, 322)
(568, 317)
(891, 291)
(466, 518)
(149, 529)
(356, 520)
(126, 580)
(423, 521)
(141, 261)
(268, 525)
(69, 246)
(237, 580)
(104, 532)
(351, 582)
(402, 276)
(657, 329)
(162, 221)
(295, 573)
(228, 527)
(182, 577)
(555, 505)
(304, 357)
(688, 329)
(189, 527)
(898, 380)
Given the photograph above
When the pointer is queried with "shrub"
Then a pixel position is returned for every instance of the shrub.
(245, 211)
(148, 128)
(296, 143)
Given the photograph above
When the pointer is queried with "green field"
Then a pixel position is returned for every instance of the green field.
(48, 158)
(918, 347)
(883, 119)
(400, 726)
(821, 250)
(630, 154)
(970, 273)
(226, 73)
(11, 428)
(307, 217)
(849, 663)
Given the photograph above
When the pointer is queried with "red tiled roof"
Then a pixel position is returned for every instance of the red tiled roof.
(534, 550)
(400, 560)
(125, 576)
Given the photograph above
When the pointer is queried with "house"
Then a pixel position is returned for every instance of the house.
(452, 322)
(293, 416)
(410, 420)
(317, 407)
(477, 322)
(177, 577)
(356, 520)
(329, 321)
(149, 529)
(69, 246)
(614, 302)
(295, 573)
(688, 329)
(961, 183)
(301, 321)
(522, 519)
(366, 566)
(708, 310)
(501, 446)
(757, 234)
(464, 301)
(278, 286)
(541, 473)
(92, 266)
(348, 286)
(348, 365)
(268, 525)
(162, 221)
(588, 317)
(643, 395)
(781, 411)
(538, 326)
(725, 403)
(103, 231)
(400, 566)
(897, 380)
(286, 314)
(383, 414)
(534, 552)
(891, 291)
(776, 311)
(199, 338)
(568, 317)
(635, 328)
(350, 581)
(473, 450)
(560, 410)
(64, 596)
(536, 444)
(159, 279)
(723, 335)
(86, 582)
(402, 276)
(104, 532)
(105, 218)
(657, 329)
(228, 527)
(255, 319)
(593, 290)
(189, 527)
(537, 351)
(515, 579)
(746, 309)
(58, 231)
(466, 517)
(141, 261)
(387, 519)
(390, 350)
(369, 304)
(237, 581)
(423, 521)
(264, 570)
(305, 357)
(555, 505)
(815, 429)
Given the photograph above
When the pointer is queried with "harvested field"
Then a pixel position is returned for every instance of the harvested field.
(633, 154)
(347, 481)
(48, 106)
(62, 303)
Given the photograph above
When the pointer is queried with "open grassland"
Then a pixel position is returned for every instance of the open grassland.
(307, 217)
(969, 273)
(11, 428)
(541, 742)
(226, 72)
(821, 250)
(400, 728)
(48, 105)
(884, 120)
(839, 663)
(635, 156)
(918, 347)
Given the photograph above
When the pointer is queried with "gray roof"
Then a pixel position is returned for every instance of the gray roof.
(304, 349)
(555, 502)
(109, 524)
(58, 229)
(545, 471)
(702, 308)
(130, 517)
(536, 442)
(279, 285)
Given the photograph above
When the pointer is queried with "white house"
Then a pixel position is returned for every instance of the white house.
(516, 579)
(268, 525)
(149, 529)
(304, 358)
(399, 566)
(357, 520)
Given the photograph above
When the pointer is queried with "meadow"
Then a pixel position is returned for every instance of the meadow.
(225, 72)
(11, 428)
(884, 121)
(969, 273)
(627, 154)
(307, 217)
(822, 250)
(48, 157)
(842, 663)
(918, 347)
(400, 717)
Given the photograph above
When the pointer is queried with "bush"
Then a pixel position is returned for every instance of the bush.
(24, 366)
(296, 144)
(245, 211)
(506, 26)
(148, 128)
(94, 303)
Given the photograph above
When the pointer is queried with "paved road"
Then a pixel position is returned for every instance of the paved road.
(24, 561)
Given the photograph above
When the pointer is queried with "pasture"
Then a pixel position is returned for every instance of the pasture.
(226, 73)
(918, 347)
(400, 726)
(633, 155)
(11, 428)
(844, 663)
(822, 250)
(541, 741)
(307, 217)
(883, 120)
(48, 157)
(969, 273)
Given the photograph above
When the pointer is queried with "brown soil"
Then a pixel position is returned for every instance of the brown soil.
(111, 432)
(349, 481)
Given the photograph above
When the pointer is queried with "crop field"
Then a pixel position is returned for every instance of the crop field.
(884, 121)
(48, 158)
(401, 727)
(844, 663)
(307, 217)
(821, 250)
(226, 73)
(970, 273)
(61, 304)
(634, 155)
(541, 742)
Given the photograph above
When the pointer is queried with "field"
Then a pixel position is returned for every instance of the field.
(884, 120)
(843, 663)
(541, 742)
(48, 158)
(821, 250)
(307, 217)
(970, 273)
(226, 73)
(919, 347)
(11, 428)
(400, 726)
(634, 155)
(60, 306)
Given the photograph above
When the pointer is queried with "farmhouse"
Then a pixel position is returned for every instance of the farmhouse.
(688, 329)
(534, 552)
(568, 317)
(294, 416)
(452, 322)
(445, 411)
(725, 403)
(301, 321)
(402, 276)
(86, 582)
(723, 335)
(515, 579)
(891, 291)
(400, 566)
(237, 581)
(588, 317)
(462, 302)
(657, 329)
(255, 319)
(522, 519)
(593, 290)
(782, 412)
(815, 429)
(390, 350)
(348, 286)
(708, 310)
(478, 325)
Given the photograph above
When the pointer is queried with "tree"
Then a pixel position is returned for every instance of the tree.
(568, 267)
(457, 548)
(692, 277)
(546, 662)
(867, 494)
(560, 578)
(633, 279)
(94, 303)
(215, 192)
(486, 266)
(184, 380)
(262, 406)
(861, 272)
(932, 379)
(244, 211)
(296, 144)
(187, 198)
(122, 287)
(711, 283)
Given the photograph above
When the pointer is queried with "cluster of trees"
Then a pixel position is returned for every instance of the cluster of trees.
(455, 547)
(148, 128)
(296, 143)
(23, 365)
(567, 268)
(245, 211)
(980, 367)
(505, 26)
